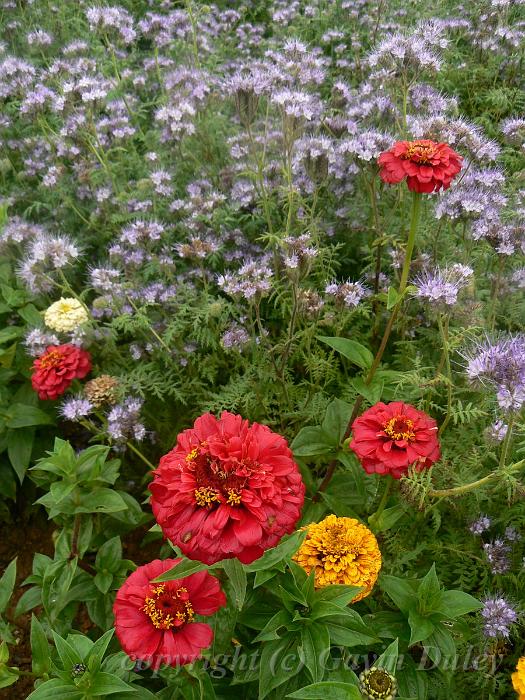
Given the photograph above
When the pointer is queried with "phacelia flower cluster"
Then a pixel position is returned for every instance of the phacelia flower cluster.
(498, 616)
(227, 489)
(501, 364)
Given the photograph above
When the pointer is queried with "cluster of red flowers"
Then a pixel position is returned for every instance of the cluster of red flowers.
(389, 438)
(227, 489)
(54, 371)
(427, 166)
(232, 489)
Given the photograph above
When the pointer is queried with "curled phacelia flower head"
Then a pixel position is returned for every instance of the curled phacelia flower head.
(65, 315)
(377, 684)
(341, 551)
(426, 165)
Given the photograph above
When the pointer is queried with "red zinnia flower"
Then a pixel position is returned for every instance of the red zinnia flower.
(389, 438)
(428, 166)
(155, 623)
(227, 489)
(54, 371)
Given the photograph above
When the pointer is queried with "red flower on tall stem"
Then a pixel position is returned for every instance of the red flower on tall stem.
(155, 623)
(389, 438)
(227, 489)
(427, 166)
(54, 371)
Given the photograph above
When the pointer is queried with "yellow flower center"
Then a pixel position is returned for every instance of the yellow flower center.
(167, 609)
(205, 496)
(400, 428)
(52, 359)
(217, 482)
(420, 152)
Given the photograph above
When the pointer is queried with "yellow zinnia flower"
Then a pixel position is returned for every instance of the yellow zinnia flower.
(518, 679)
(343, 551)
(65, 315)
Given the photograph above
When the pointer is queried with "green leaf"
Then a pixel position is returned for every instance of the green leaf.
(388, 659)
(279, 662)
(99, 648)
(336, 420)
(4, 653)
(237, 575)
(7, 584)
(429, 592)
(402, 591)
(109, 554)
(186, 567)
(19, 448)
(349, 630)
(101, 500)
(440, 648)
(351, 349)
(286, 547)
(338, 594)
(22, 416)
(10, 333)
(313, 440)
(392, 298)
(56, 689)
(372, 392)
(8, 676)
(456, 603)
(39, 648)
(103, 684)
(327, 690)
(68, 655)
(270, 631)
(387, 519)
(420, 627)
(314, 649)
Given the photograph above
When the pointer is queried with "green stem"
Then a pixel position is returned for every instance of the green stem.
(414, 222)
(443, 331)
(374, 518)
(506, 443)
(140, 455)
(465, 488)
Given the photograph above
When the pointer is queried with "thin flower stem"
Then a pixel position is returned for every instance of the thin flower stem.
(443, 331)
(153, 331)
(374, 518)
(465, 488)
(414, 222)
(140, 455)
(495, 292)
(506, 443)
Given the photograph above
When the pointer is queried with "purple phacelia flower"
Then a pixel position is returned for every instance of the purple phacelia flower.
(498, 616)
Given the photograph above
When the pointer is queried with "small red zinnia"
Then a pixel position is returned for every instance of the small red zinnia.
(227, 489)
(428, 166)
(155, 623)
(389, 438)
(54, 371)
